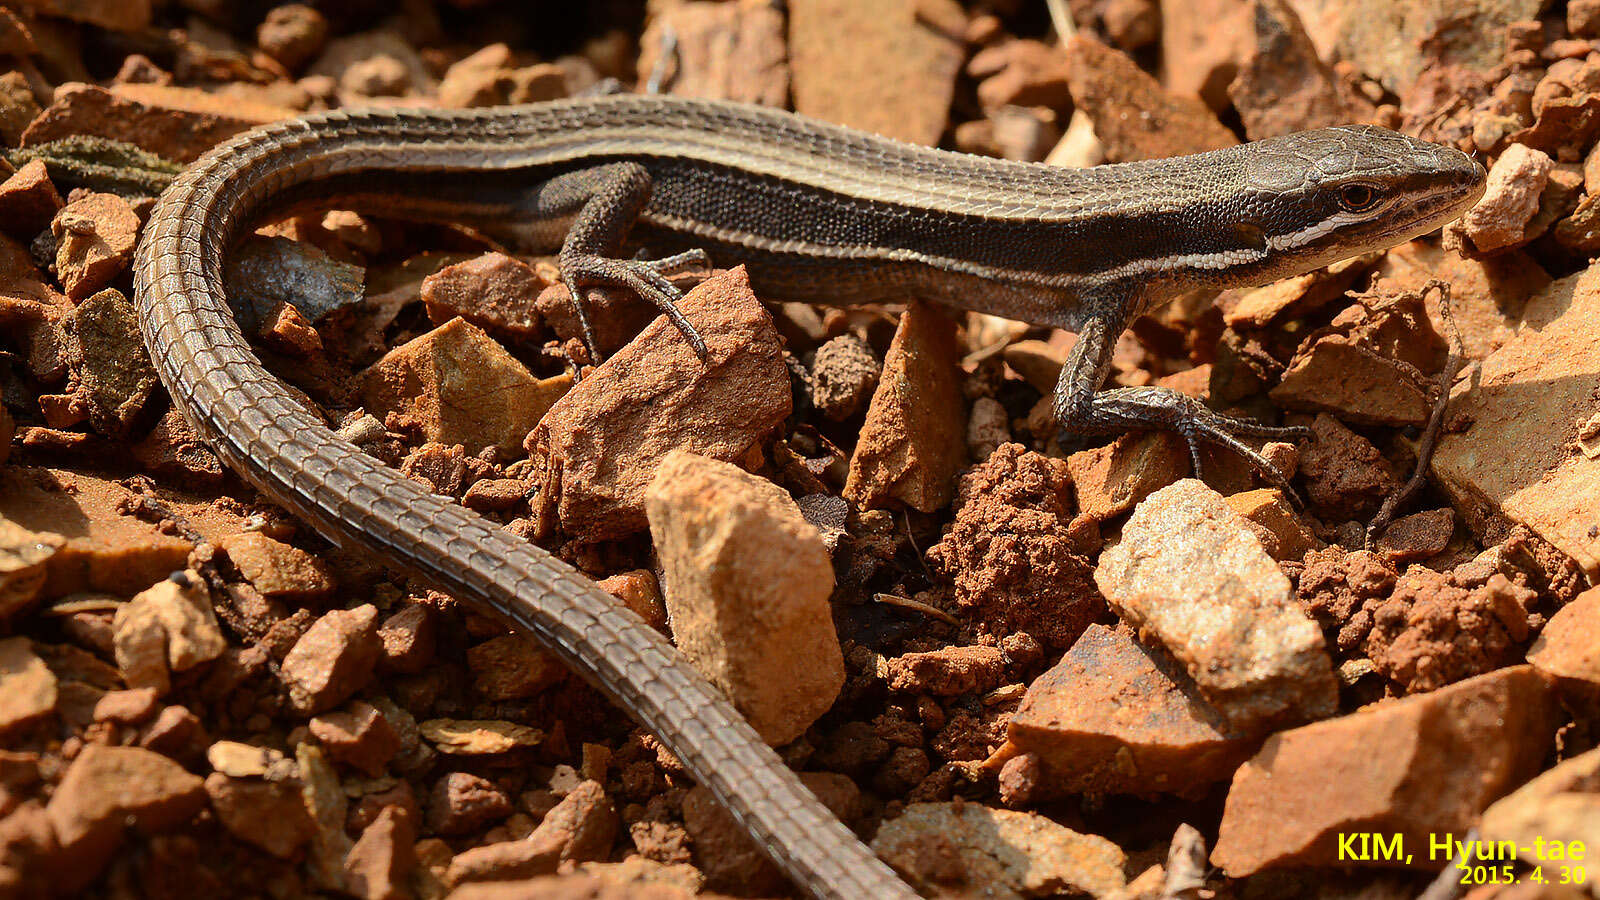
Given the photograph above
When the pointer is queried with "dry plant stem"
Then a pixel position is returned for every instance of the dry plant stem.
(1430, 434)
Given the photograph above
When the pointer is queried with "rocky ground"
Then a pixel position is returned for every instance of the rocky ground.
(1018, 673)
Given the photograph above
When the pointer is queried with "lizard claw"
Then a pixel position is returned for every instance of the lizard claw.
(646, 278)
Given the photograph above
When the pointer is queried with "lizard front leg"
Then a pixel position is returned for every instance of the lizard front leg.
(604, 202)
(1084, 411)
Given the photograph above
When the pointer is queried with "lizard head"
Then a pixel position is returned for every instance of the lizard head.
(1316, 197)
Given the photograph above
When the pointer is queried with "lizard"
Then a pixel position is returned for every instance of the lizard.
(817, 212)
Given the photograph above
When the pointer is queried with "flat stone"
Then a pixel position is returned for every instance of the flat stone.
(1397, 766)
(478, 737)
(1190, 573)
(1487, 296)
(240, 760)
(493, 291)
(964, 849)
(27, 686)
(462, 387)
(177, 123)
(913, 440)
(333, 659)
(596, 451)
(1110, 480)
(946, 672)
(267, 273)
(170, 627)
(108, 790)
(95, 236)
(279, 571)
(24, 556)
(723, 51)
(895, 76)
(1133, 117)
(1517, 458)
(1567, 648)
(1283, 534)
(1548, 819)
(1116, 717)
(28, 201)
(1337, 375)
(747, 584)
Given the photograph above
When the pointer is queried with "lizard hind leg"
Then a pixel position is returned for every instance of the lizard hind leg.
(1084, 411)
(604, 201)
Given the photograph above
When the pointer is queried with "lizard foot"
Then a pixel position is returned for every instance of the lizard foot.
(1134, 408)
(646, 278)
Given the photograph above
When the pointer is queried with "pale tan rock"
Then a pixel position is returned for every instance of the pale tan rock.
(1518, 457)
(747, 584)
(895, 76)
(240, 760)
(476, 737)
(1397, 767)
(278, 570)
(462, 387)
(913, 439)
(23, 557)
(1190, 573)
(1568, 646)
(170, 627)
(996, 853)
(1283, 534)
(27, 686)
(596, 451)
(1115, 717)
(1510, 199)
(723, 51)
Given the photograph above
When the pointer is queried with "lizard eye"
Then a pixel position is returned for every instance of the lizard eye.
(1357, 197)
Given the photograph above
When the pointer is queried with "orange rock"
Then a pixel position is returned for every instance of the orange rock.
(1567, 648)
(1111, 480)
(462, 386)
(896, 74)
(1115, 717)
(747, 583)
(724, 51)
(27, 686)
(1133, 117)
(913, 440)
(493, 291)
(28, 201)
(95, 236)
(278, 570)
(1394, 768)
(1283, 534)
(596, 451)
(177, 123)
(1518, 456)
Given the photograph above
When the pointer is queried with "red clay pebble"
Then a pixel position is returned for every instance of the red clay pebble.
(493, 291)
(1567, 647)
(1133, 117)
(1019, 561)
(730, 859)
(173, 122)
(380, 863)
(947, 672)
(358, 736)
(28, 201)
(408, 638)
(1397, 768)
(279, 571)
(268, 814)
(511, 667)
